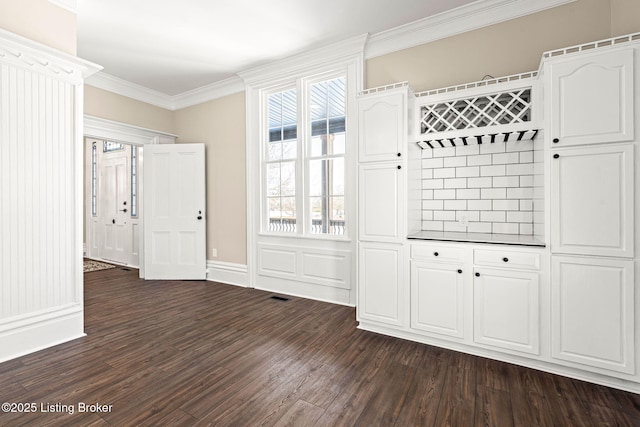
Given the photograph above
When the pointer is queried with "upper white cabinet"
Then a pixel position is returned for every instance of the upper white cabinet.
(592, 303)
(382, 126)
(592, 201)
(591, 98)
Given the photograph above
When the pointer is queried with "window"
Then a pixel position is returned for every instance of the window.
(134, 181)
(94, 179)
(304, 171)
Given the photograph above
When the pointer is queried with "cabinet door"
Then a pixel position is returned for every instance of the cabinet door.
(437, 298)
(381, 283)
(383, 128)
(592, 201)
(592, 98)
(381, 197)
(592, 312)
(506, 309)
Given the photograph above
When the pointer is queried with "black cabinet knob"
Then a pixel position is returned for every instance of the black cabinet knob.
(436, 254)
(399, 154)
(556, 140)
(113, 221)
(399, 167)
(505, 259)
(459, 271)
(477, 274)
(556, 156)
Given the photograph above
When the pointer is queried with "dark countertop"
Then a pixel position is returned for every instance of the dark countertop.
(454, 236)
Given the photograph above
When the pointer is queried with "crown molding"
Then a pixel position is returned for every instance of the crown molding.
(38, 57)
(70, 5)
(324, 57)
(456, 21)
(206, 93)
(131, 90)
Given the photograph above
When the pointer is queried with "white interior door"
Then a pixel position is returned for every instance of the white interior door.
(114, 199)
(174, 212)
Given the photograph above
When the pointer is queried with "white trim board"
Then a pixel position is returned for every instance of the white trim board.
(470, 17)
(228, 273)
(99, 128)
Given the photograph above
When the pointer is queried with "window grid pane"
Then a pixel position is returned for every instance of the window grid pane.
(327, 148)
(94, 180)
(134, 181)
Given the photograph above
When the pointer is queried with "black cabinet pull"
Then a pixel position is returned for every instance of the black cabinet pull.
(556, 156)
(505, 259)
(399, 154)
(477, 274)
(436, 254)
(459, 271)
(113, 221)
(399, 167)
(556, 140)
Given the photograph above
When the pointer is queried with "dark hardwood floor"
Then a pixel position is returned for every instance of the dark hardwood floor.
(202, 353)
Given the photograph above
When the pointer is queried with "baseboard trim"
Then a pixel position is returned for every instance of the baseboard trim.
(227, 272)
(30, 333)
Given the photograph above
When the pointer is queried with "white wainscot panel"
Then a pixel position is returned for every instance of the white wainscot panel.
(332, 269)
(277, 261)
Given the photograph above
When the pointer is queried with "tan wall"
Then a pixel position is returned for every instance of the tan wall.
(507, 48)
(41, 21)
(109, 105)
(625, 17)
(220, 125)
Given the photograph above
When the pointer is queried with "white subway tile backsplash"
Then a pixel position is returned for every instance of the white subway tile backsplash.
(505, 228)
(483, 182)
(444, 152)
(480, 160)
(493, 216)
(506, 181)
(493, 193)
(479, 227)
(493, 148)
(444, 194)
(489, 187)
(432, 205)
(444, 216)
(480, 205)
(473, 193)
(456, 205)
(467, 150)
(444, 173)
(428, 184)
(432, 163)
(516, 216)
(455, 161)
(504, 158)
(455, 183)
(520, 169)
(469, 171)
(494, 170)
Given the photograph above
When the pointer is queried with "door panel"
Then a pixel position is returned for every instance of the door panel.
(113, 210)
(174, 215)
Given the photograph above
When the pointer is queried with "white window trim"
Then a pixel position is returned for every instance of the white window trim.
(344, 56)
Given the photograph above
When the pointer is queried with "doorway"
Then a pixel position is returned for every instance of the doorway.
(112, 215)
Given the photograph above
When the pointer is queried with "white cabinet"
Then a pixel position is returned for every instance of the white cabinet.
(592, 210)
(381, 195)
(437, 303)
(381, 279)
(506, 309)
(591, 98)
(592, 303)
(382, 119)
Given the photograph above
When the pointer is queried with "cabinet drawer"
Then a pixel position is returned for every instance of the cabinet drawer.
(437, 253)
(507, 259)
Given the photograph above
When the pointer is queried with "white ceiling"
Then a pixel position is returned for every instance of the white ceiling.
(175, 46)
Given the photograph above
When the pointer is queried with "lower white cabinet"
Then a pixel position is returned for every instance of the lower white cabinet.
(506, 309)
(592, 318)
(437, 303)
(381, 283)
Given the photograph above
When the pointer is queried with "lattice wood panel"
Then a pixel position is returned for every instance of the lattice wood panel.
(503, 108)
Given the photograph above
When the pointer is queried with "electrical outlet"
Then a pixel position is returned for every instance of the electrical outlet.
(214, 252)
